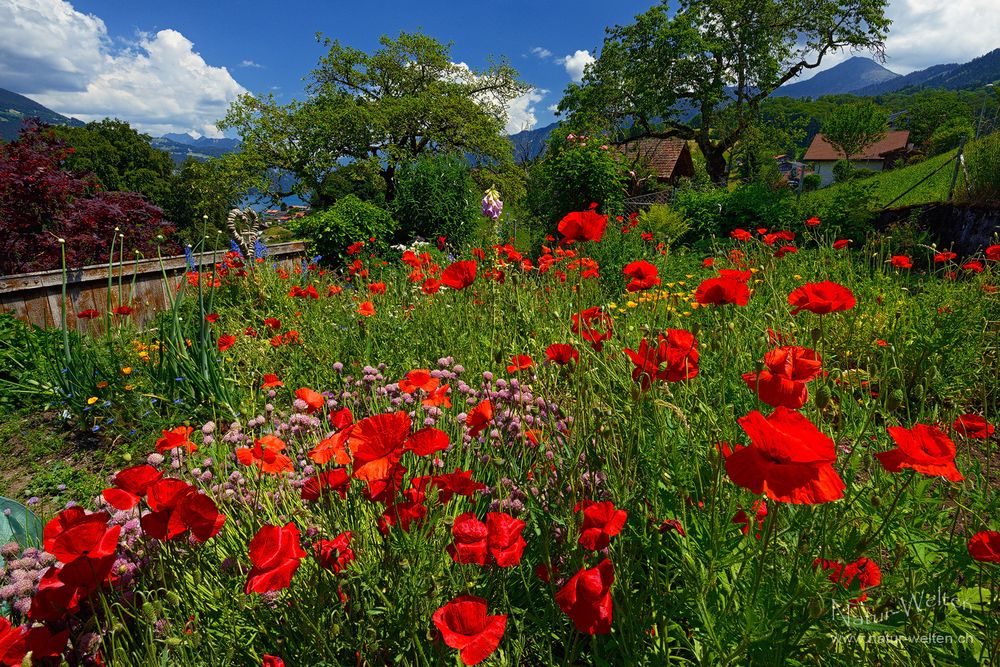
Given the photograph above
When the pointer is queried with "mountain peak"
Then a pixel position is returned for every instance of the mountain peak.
(854, 73)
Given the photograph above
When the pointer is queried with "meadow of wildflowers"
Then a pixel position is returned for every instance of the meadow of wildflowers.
(600, 451)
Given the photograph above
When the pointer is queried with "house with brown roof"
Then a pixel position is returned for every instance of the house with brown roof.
(875, 157)
(667, 159)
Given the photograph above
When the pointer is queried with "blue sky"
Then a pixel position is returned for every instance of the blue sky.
(174, 65)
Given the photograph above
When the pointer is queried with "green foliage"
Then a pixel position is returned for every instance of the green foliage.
(850, 212)
(716, 212)
(381, 110)
(983, 160)
(436, 196)
(665, 222)
(853, 126)
(949, 135)
(350, 220)
(122, 159)
(811, 182)
(573, 174)
(666, 62)
(357, 178)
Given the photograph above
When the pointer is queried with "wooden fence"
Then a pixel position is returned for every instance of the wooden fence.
(36, 297)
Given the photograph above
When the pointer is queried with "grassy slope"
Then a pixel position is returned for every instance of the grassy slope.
(891, 184)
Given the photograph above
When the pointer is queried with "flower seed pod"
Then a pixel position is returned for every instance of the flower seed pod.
(823, 396)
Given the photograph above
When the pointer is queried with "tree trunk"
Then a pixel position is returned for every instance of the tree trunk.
(389, 176)
(715, 163)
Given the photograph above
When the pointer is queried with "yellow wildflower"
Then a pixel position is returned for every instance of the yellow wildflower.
(91, 400)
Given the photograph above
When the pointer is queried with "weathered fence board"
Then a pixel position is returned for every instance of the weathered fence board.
(37, 297)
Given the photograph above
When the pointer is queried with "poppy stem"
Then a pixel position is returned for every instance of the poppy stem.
(772, 521)
(885, 521)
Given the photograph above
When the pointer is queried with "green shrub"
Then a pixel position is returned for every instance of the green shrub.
(664, 221)
(811, 182)
(436, 196)
(574, 174)
(329, 232)
(983, 161)
(702, 208)
(843, 170)
(948, 135)
(849, 213)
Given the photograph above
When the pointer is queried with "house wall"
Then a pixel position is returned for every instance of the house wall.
(825, 168)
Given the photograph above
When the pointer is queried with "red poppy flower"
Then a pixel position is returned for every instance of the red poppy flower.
(519, 362)
(735, 274)
(176, 437)
(821, 298)
(272, 323)
(783, 382)
(586, 598)
(923, 448)
(212, 318)
(975, 267)
(377, 443)
(946, 256)
(334, 290)
(973, 426)
(376, 288)
(862, 574)
(405, 514)
(74, 534)
(131, 484)
(741, 235)
(325, 483)
(759, 509)
(479, 417)
(341, 419)
(789, 460)
(313, 399)
(12, 643)
(355, 248)
(708, 262)
(464, 625)
(275, 553)
(721, 291)
(272, 661)
(784, 250)
(430, 286)
(366, 309)
(225, 342)
(813, 222)
(440, 397)
(561, 354)
(270, 381)
(88, 314)
(840, 244)
(601, 522)
(993, 253)
(678, 350)
(427, 441)
(985, 546)
(418, 379)
(335, 554)
(459, 275)
(123, 311)
(902, 262)
(504, 541)
(458, 483)
(266, 455)
(586, 225)
(643, 274)
(586, 324)
(469, 540)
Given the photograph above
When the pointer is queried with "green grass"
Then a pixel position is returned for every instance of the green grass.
(891, 184)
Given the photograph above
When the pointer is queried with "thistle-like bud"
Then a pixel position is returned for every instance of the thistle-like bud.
(492, 206)
(823, 396)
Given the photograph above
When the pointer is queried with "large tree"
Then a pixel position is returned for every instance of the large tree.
(700, 71)
(382, 110)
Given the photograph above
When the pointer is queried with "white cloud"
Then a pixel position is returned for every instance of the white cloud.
(576, 63)
(931, 32)
(553, 108)
(521, 111)
(541, 52)
(250, 63)
(65, 60)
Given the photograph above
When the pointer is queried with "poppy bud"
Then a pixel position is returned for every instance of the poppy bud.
(173, 598)
(731, 326)
(876, 501)
(918, 392)
(896, 399)
(126, 457)
(816, 608)
(816, 335)
(823, 396)
(149, 612)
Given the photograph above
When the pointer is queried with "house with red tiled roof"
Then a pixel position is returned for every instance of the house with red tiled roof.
(668, 159)
(875, 157)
